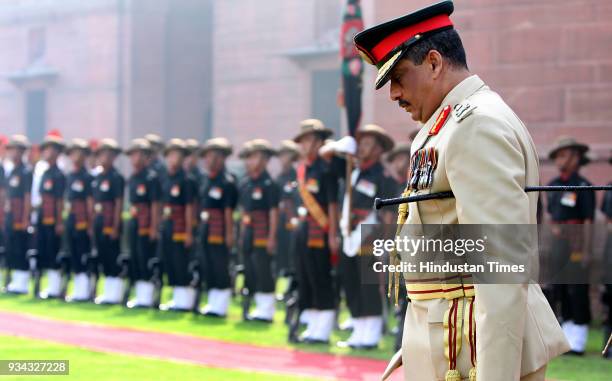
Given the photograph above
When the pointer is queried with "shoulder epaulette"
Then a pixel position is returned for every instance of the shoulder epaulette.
(463, 110)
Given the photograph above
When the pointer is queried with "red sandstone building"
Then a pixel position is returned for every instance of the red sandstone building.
(249, 68)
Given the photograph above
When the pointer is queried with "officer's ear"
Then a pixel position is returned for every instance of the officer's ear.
(434, 62)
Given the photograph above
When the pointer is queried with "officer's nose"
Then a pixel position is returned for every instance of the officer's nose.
(394, 91)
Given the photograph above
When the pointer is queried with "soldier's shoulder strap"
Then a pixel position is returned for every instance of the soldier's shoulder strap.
(463, 110)
(309, 201)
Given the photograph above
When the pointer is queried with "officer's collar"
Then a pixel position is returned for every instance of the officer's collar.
(462, 90)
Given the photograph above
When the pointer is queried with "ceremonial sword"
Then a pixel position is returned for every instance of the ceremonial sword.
(380, 203)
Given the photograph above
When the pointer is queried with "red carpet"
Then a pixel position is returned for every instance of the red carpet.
(212, 353)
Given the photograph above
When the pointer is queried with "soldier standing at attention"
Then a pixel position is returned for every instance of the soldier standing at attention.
(317, 241)
(398, 160)
(606, 208)
(572, 246)
(288, 154)
(155, 161)
(368, 181)
(218, 197)
(50, 223)
(144, 191)
(17, 219)
(107, 189)
(176, 234)
(473, 144)
(79, 206)
(3, 273)
(259, 197)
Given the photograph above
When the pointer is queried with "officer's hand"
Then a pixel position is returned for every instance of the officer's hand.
(114, 234)
(188, 240)
(59, 229)
(153, 235)
(271, 246)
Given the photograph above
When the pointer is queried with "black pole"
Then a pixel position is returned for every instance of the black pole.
(379, 203)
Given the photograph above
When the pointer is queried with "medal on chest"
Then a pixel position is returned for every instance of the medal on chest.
(48, 184)
(288, 188)
(257, 194)
(366, 187)
(105, 186)
(14, 181)
(312, 185)
(77, 186)
(175, 191)
(215, 193)
(422, 167)
(141, 189)
(569, 199)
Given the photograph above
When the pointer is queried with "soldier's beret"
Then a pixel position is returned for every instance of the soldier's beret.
(139, 144)
(563, 142)
(53, 138)
(80, 144)
(18, 141)
(107, 144)
(379, 133)
(217, 144)
(176, 145)
(256, 145)
(290, 147)
(312, 126)
(384, 45)
(399, 149)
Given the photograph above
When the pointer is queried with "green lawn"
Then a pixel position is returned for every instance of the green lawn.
(89, 365)
(590, 367)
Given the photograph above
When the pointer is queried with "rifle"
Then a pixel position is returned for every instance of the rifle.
(32, 256)
(293, 309)
(195, 266)
(380, 203)
(92, 268)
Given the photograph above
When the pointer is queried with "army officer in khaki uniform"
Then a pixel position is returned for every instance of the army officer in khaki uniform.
(473, 144)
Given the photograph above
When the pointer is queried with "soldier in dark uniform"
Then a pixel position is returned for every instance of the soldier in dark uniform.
(50, 224)
(176, 238)
(155, 161)
(369, 180)
(108, 189)
(288, 154)
(259, 198)
(2, 203)
(606, 208)
(317, 241)
(79, 207)
(218, 197)
(571, 246)
(144, 191)
(398, 160)
(17, 218)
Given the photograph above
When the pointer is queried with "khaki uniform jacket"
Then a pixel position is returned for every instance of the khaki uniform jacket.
(486, 157)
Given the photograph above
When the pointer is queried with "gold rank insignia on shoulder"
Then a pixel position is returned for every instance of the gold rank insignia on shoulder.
(463, 110)
(422, 166)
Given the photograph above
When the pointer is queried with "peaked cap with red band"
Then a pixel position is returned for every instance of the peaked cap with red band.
(384, 45)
